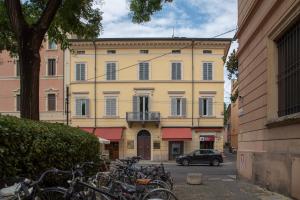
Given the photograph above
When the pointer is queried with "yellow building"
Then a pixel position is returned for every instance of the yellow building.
(153, 97)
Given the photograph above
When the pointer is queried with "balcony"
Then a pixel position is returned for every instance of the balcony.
(142, 118)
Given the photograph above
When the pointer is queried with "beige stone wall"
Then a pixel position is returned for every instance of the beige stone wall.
(267, 156)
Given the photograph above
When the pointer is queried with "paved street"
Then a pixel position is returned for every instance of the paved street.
(219, 183)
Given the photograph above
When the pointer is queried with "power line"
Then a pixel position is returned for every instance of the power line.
(162, 55)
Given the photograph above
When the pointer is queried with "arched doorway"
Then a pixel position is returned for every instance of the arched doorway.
(144, 144)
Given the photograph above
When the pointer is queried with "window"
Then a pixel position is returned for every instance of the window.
(80, 72)
(18, 102)
(79, 52)
(82, 107)
(207, 51)
(178, 106)
(176, 71)
(111, 51)
(51, 67)
(111, 106)
(176, 51)
(144, 71)
(51, 102)
(207, 71)
(111, 70)
(205, 106)
(144, 51)
(52, 44)
(289, 71)
(17, 68)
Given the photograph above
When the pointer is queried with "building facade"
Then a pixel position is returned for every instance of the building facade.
(51, 83)
(269, 80)
(152, 97)
(233, 119)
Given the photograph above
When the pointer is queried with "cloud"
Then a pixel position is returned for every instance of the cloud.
(189, 18)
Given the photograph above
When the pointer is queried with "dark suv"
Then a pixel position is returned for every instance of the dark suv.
(201, 156)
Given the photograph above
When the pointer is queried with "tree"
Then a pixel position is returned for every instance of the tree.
(232, 65)
(23, 25)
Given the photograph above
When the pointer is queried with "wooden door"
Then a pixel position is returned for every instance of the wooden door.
(144, 145)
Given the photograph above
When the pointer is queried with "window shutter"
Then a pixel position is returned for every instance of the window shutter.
(108, 73)
(178, 71)
(183, 107)
(209, 71)
(78, 107)
(107, 107)
(82, 72)
(173, 71)
(209, 106)
(141, 71)
(173, 106)
(87, 107)
(135, 104)
(200, 106)
(113, 71)
(77, 72)
(204, 71)
(113, 107)
(146, 71)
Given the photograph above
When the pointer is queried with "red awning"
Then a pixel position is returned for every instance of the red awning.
(176, 134)
(111, 134)
(87, 129)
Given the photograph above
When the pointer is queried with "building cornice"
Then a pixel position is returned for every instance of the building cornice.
(178, 43)
(138, 81)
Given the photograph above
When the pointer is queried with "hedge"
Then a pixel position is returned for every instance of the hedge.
(27, 148)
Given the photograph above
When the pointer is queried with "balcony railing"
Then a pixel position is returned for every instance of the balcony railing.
(142, 117)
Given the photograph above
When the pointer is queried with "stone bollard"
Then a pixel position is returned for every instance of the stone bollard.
(194, 178)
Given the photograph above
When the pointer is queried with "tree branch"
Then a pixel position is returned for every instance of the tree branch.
(15, 14)
(48, 15)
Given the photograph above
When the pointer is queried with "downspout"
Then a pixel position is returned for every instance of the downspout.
(95, 85)
(64, 94)
(193, 82)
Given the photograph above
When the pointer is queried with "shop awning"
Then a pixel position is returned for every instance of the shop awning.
(111, 134)
(176, 134)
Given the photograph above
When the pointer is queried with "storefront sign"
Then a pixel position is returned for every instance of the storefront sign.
(207, 138)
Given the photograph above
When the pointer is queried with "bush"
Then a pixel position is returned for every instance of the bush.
(27, 148)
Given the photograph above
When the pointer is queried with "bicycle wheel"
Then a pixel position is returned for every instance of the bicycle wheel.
(51, 194)
(160, 194)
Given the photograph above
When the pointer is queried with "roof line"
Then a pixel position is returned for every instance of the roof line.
(152, 39)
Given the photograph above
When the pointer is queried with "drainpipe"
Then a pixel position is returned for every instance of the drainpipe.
(95, 85)
(193, 82)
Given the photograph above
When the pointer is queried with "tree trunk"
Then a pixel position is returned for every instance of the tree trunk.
(29, 58)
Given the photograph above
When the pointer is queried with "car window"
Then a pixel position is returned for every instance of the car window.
(203, 151)
(197, 153)
(210, 151)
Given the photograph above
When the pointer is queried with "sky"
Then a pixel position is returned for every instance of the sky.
(188, 18)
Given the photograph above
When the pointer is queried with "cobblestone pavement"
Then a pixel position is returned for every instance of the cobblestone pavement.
(218, 183)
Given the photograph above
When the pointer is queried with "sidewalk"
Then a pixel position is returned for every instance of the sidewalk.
(225, 190)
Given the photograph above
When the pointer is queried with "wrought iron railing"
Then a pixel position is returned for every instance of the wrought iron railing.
(143, 116)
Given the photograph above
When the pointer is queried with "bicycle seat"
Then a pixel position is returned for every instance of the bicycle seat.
(132, 188)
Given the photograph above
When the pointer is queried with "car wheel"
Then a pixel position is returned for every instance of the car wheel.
(185, 162)
(215, 162)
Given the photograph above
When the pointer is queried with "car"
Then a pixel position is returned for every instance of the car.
(201, 156)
